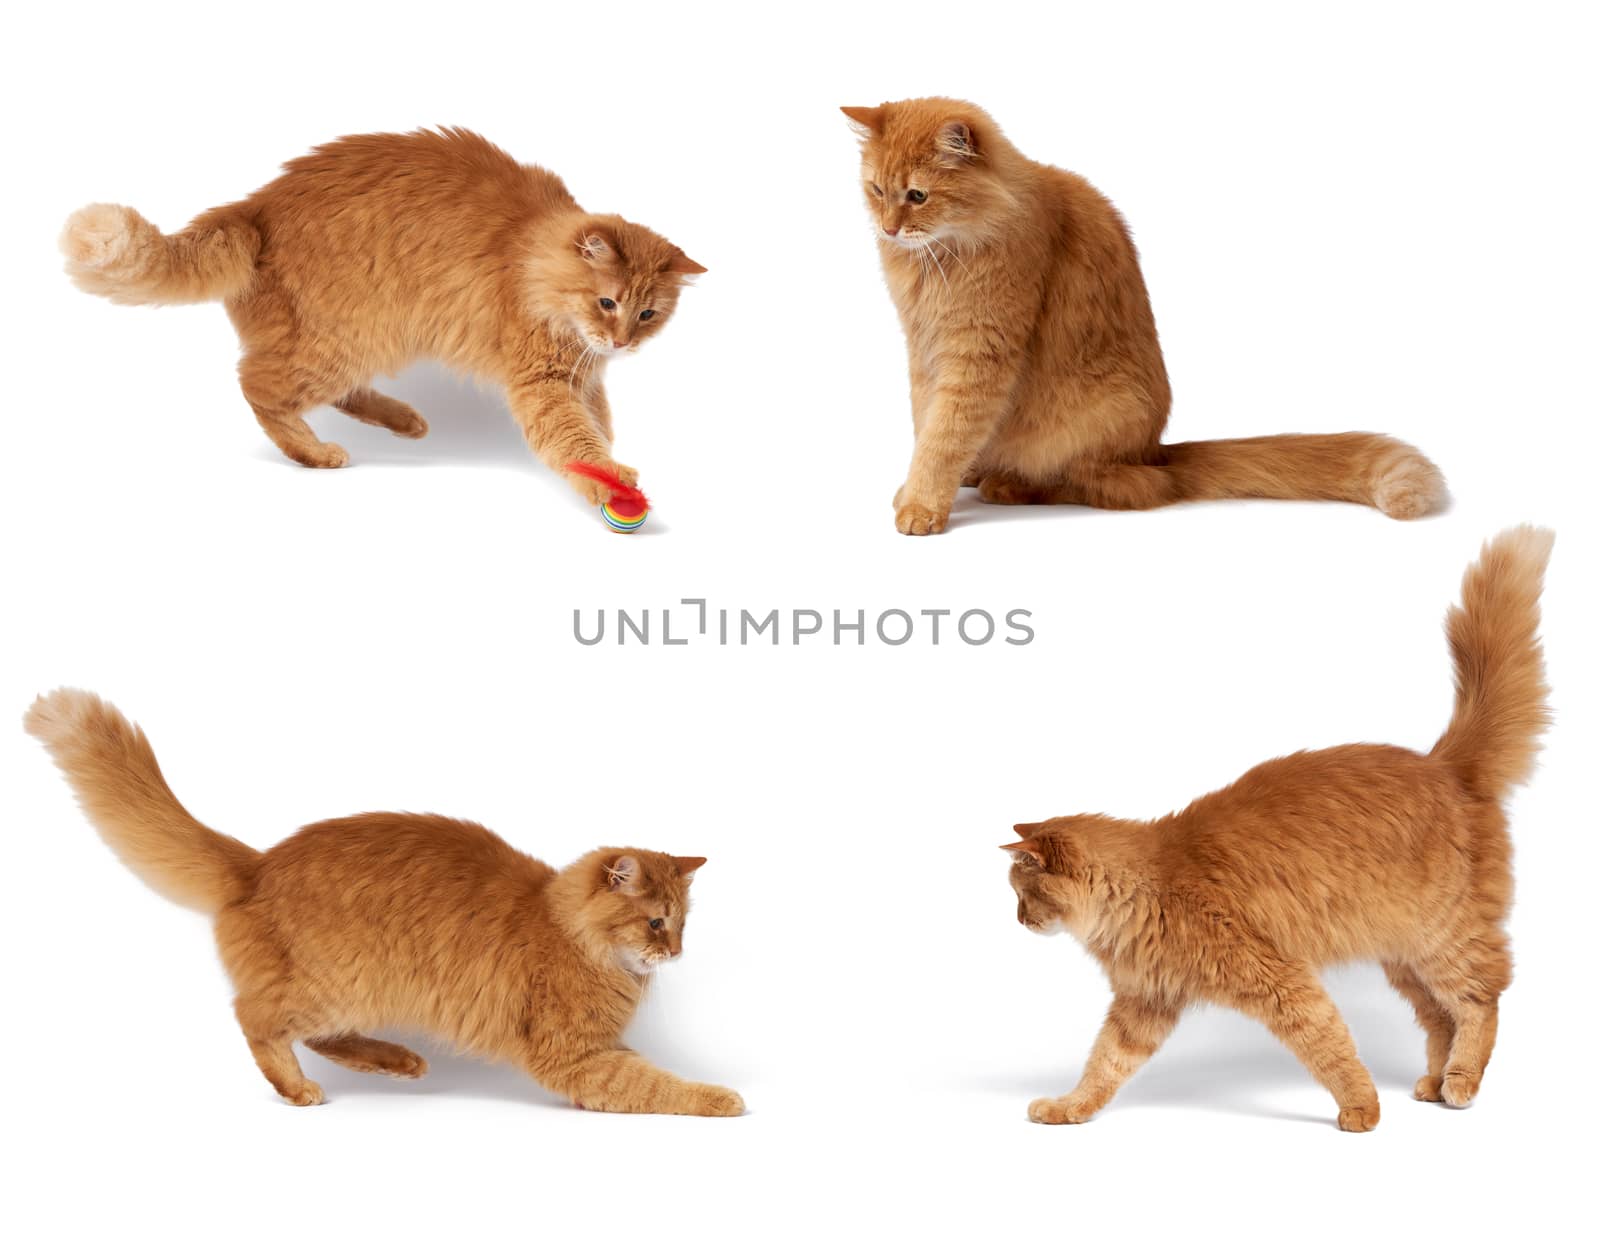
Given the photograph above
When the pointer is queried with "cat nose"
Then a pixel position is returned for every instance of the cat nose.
(891, 230)
(618, 342)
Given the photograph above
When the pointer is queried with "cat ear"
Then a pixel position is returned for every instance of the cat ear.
(955, 142)
(687, 865)
(596, 244)
(1028, 847)
(622, 875)
(683, 265)
(1024, 829)
(865, 121)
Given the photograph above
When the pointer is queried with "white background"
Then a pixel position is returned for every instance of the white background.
(1369, 217)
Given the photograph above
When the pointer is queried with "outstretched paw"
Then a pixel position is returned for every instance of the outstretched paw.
(1068, 1110)
(912, 519)
(714, 1100)
(594, 492)
(1361, 1119)
(306, 1094)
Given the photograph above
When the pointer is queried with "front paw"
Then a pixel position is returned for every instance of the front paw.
(714, 1100)
(1068, 1110)
(596, 493)
(914, 519)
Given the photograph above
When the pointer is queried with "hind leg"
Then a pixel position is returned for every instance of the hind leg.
(280, 390)
(1470, 993)
(366, 1054)
(372, 407)
(1436, 1023)
(270, 1028)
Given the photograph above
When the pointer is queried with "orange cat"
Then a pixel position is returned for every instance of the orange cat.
(377, 250)
(1035, 370)
(1364, 852)
(394, 919)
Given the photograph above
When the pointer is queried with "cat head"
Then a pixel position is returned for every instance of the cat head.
(637, 903)
(930, 170)
(1047, 874)
(612, 282)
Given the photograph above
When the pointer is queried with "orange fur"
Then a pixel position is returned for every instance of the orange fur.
(1360, 852)
(377, 250)
(1036, 374)
(395, 919)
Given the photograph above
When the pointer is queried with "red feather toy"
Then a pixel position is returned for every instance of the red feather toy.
(627, 508)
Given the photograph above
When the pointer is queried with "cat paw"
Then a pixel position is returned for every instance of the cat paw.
(1003, 491)
(1459, 1088)
(1358, 1119)
(596, 493)
(323, 454)
(714, 1100)
(413, 426)
(306, 1094)
(1428, 1089)
(912, 519)
(410, 1067)
(1068, 1110)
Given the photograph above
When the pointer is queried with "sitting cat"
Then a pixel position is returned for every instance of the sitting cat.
(394, 919)
(377, 250)
(1036, 374)
(1364, 852)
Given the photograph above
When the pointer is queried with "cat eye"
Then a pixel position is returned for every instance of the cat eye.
(917, 196)
(876, 189)
(610, 304)
(656, 923)
(647, 315)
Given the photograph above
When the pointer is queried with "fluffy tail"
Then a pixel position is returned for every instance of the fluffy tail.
(116, 253)
(1501, 695)
(1360, 467)
(114, 773)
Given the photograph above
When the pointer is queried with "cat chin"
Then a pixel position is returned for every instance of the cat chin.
(1057, 926)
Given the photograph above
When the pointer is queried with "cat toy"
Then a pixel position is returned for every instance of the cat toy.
(628, 507)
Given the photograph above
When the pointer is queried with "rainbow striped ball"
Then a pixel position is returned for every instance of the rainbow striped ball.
(623, 515)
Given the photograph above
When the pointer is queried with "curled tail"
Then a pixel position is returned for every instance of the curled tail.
(1361, 467)
(114, 773)
(116, 253)
(1501, 696)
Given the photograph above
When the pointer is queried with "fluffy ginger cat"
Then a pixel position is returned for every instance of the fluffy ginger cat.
(1036, 374)
(377, 250)
(1364, 852)
(395, 919)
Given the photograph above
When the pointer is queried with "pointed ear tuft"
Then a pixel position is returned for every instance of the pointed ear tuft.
(956, 143)
(1024, 829)
(596, 244)
(622, 875)
(687, 865)
(1028, 847)
(683, 265)
(865, 121)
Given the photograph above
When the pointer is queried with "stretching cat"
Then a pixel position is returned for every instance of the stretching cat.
(1361, 852)
(1035, 370)
(394, 919)
(377, 250)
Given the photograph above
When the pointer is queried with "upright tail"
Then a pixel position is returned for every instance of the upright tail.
(1361, 467)
(1501, 707)
(114, 773)
(116, 253)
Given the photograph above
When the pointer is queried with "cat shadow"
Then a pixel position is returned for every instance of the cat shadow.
(449, 1075)
(968, 511)
(467, 426)
(1219, 1062)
